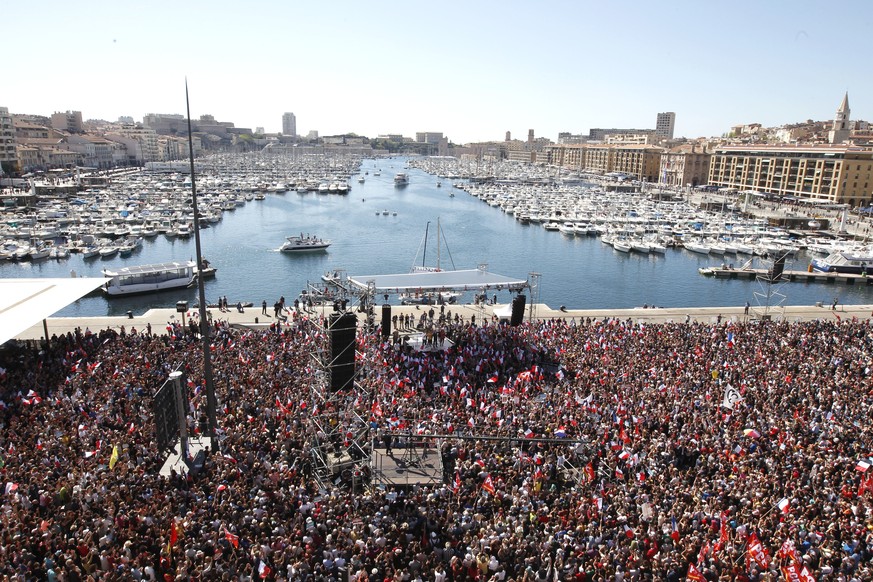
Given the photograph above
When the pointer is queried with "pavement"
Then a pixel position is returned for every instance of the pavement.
(252, 318)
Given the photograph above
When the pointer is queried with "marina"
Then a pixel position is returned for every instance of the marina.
(588, 246)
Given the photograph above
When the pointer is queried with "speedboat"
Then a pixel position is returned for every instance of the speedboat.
(302, 244)
(844, 262)
(401, 179)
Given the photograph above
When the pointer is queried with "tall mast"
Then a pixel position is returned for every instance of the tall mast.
(438, 243)
(211, 404)
(424, 254)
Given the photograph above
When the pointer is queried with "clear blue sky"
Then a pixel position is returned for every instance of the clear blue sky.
(470, 69)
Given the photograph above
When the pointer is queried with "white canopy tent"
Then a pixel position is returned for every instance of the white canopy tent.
(26, 302)
(437, 281)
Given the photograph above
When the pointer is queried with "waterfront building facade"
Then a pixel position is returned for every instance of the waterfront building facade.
(289, 124)
(685, 165)
(96, 152)
(837, 174)
(641, 161)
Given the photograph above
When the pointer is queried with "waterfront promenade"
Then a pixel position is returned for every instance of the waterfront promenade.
(253, 318)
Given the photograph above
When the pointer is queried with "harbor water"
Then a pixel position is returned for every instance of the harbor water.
(577, 272)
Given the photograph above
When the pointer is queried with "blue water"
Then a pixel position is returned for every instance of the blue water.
(578, 272)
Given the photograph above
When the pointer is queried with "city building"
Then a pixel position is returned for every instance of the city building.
(599, 133)
(665, 124)
(641, 161)
(146, 144)
(97, 152)
(431, 137)
(166, 123)
(8, 153)
(289, 124)
(566, 137)
(69, 121)
(647, 138)
(839, 174)
(685, 165)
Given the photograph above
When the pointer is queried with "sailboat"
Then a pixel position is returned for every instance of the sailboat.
(430, 298)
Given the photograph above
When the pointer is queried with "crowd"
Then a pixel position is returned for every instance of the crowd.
(626, 451)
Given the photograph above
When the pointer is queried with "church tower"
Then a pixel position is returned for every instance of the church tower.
(841, 127)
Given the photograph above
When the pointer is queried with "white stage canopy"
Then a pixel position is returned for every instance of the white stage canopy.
(26, 302)
(435, 281)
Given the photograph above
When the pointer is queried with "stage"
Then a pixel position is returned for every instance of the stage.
(407, 467)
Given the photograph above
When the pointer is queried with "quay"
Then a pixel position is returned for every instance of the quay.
(789, 276)
(252, 318)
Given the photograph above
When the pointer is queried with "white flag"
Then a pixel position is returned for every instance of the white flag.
(731, 397)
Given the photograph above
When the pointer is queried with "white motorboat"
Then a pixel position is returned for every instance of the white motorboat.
(149, 278)
(303, 244)
(401, 179)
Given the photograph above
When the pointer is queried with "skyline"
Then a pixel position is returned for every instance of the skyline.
(471, 71)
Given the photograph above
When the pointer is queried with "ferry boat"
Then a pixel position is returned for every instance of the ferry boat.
(401, 179)
(844, 262)
(302, 244)
(149, 278)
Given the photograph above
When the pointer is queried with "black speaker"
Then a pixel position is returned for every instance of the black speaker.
(342, 350)
(778, 267)
(517, 310)
(386, 321)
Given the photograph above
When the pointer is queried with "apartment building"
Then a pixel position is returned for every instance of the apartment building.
(147, 140)
(665, 124)
(640, 161)
(69, 121)
(837, 174)
(289, 124)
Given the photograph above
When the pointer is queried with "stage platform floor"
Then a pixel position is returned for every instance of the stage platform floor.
(407, 467)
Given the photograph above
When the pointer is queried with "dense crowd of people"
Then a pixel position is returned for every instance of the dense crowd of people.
(615, 450)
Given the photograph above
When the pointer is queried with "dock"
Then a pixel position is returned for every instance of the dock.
(789, 276)
(252, 319)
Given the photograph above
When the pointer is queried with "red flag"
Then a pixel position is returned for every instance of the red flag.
(488, 485)
(805, 576)
(264, 570)
(589, 472)
(457, 487)
(756, 552)
(787, 550)
(232, 538)
(694, 574)
(174, 533)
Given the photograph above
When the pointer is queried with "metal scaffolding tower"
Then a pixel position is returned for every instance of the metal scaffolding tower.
(768, 298)
(533, 281)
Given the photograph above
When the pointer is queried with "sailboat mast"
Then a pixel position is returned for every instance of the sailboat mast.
(438, 243)
(424, 254)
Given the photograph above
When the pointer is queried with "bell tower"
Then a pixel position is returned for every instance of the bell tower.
(840, 130)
